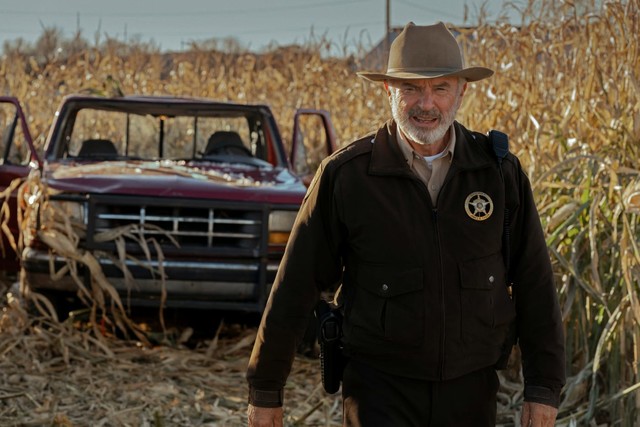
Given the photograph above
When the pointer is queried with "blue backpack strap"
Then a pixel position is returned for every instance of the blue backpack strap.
(500, 142)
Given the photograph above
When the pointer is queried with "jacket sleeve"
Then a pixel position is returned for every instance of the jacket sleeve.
(539, 320)
(311, 263)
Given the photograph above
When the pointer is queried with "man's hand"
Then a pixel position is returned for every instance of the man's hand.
(264, 417)
(538, 415)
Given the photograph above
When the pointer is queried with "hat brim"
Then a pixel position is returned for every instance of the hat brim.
(471, 74)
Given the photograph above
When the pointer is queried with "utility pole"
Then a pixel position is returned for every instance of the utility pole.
(387, 30)
(388, 16)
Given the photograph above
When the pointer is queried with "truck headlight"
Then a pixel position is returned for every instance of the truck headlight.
(280, 225)
(75, 211)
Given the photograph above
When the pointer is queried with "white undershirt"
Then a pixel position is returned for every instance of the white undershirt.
(431, 159)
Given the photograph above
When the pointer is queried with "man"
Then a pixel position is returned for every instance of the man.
(412, 223)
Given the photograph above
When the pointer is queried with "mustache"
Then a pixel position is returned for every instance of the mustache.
(426, 114)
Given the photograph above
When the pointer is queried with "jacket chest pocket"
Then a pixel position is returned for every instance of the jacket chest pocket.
(389, 303)
(486, 308)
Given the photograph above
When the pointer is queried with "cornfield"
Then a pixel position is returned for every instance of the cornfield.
(566, 90)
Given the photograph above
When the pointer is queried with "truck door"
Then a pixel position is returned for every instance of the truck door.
(17, 157)
(313, 140)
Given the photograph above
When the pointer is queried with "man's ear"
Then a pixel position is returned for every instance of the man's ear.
(464, 89)
(386, 87)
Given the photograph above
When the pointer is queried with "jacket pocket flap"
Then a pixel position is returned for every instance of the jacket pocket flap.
(387, 281)
(483, 273)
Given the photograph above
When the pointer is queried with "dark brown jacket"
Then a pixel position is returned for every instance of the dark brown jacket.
(424, 286)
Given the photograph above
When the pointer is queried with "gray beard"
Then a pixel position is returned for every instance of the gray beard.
(419, 135)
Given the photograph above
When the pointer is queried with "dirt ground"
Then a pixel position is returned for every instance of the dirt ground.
(60, 374)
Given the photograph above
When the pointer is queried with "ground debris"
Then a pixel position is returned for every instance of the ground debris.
(56, 374)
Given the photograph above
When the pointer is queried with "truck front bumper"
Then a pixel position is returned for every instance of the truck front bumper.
(220, 284)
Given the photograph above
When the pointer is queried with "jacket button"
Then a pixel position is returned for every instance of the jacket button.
(491, 279)
(385, 287)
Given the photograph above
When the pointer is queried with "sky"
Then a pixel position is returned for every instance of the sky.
(173, 24)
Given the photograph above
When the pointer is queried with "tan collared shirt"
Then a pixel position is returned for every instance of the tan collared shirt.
(432, 176)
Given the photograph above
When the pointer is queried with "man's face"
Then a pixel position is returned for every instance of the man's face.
(425, 108)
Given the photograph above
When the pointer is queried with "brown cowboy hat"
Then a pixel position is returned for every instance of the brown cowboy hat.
(425, 52)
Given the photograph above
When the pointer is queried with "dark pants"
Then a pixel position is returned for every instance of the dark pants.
(375, 399)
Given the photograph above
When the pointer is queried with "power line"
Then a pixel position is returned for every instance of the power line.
(240, 32)
(189, 14)
(428, 9)
(135, 24)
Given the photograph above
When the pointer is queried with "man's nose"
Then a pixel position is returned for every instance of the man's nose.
(425, 100)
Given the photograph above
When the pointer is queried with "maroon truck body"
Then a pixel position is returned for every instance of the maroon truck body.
(19, 157)
(207, 187)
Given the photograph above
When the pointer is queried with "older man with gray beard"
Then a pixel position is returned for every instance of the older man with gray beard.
(411, 222)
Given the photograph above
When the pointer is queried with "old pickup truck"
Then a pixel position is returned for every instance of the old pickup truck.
(168, 201)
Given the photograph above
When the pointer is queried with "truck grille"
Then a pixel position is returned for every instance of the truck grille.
(191, 225)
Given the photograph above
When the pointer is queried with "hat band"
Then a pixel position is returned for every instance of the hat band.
(423, 70)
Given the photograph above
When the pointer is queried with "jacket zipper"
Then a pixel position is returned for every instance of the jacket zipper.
(434, 213)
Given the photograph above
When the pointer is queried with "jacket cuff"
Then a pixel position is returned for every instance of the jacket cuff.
(266, 398)
(542, 394)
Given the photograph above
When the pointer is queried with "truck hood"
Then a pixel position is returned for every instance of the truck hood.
(177, 179)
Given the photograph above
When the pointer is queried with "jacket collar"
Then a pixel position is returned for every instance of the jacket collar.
(387, 159)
